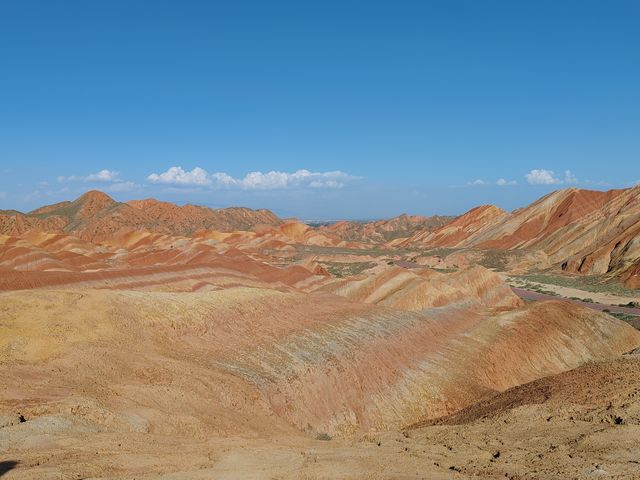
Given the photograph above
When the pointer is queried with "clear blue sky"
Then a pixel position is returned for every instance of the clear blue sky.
(420, 107)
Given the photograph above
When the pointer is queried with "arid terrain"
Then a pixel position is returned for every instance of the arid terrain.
(147, 340)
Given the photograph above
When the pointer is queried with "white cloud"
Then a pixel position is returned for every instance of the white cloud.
(548, 177)
(477, 182)
(178, 176)
(253, 180)
(222, 179)
(569, 177)
(265, 180)
(542, 177)
(101, 176)
(3, 195)
(501, 182)
(326, 184)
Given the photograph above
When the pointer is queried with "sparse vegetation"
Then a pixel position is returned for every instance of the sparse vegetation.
(339, 269)
(445, 270)
(373, 252)
(440, 252)
(588, 283)
(633, 320)
(539, 289)
(495, 259)
(631, 304)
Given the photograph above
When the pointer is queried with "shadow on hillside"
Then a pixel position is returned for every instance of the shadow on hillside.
(7, 465)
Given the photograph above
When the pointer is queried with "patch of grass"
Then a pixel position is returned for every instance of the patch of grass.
(394, 234)
(495, 260)
(440, 252)
(631, 304)
(373, 252)
(499, 259)
(339, 269)
(632, 320)
(539, 289)
(588, 283)
(69, 211)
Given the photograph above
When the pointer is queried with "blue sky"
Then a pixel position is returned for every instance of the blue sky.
(361, 109)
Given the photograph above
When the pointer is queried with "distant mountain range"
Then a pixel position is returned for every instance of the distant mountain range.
(578, 231)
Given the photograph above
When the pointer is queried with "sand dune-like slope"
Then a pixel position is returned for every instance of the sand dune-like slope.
(141, 259)
(215, 273)
(420, 289)
(249, 360)
(581, 424)
(37, 251)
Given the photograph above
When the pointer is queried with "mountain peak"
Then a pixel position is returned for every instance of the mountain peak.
(95, 196)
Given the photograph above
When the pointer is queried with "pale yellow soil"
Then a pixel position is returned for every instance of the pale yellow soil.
(568, 292)
(561, 427)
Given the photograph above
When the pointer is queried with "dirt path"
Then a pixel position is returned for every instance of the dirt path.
(568, 292)
(529, 295)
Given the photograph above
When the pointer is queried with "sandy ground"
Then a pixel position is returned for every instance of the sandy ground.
(529, 295)
(522, 445)
(135, 385)
(579, 426)
(567, 292)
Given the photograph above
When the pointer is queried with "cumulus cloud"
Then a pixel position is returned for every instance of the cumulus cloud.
(548, 177)
(178, 176)
(101, 176)
(541, 177)
(253, 180)
(501, 182)
(570, 177)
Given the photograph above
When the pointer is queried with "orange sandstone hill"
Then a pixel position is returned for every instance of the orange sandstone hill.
(95, 216)
(583, 231)
(578, 231)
